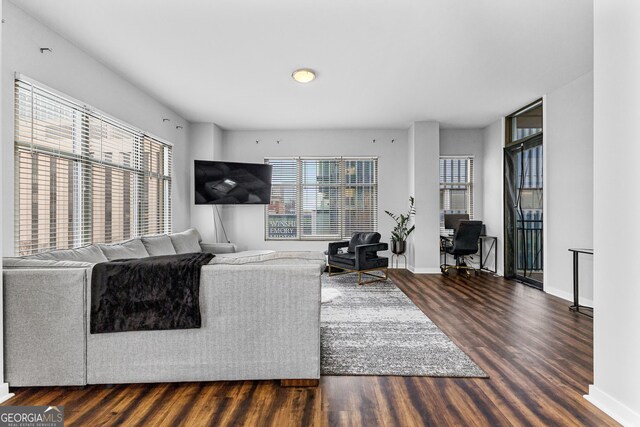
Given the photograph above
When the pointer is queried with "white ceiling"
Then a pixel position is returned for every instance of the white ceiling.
(380, 63)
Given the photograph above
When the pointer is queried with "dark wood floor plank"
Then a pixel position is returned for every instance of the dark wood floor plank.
(96, 408)
(208, 404)
(537, 353)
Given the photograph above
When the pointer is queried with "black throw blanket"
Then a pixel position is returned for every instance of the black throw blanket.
(154, 293)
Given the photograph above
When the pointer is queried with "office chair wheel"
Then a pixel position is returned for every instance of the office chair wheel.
(444, 271)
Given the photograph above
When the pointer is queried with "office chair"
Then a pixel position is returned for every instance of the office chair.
(464, 242)
(361, 257)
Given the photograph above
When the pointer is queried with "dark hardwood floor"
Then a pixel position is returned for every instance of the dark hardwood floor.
(537, 353)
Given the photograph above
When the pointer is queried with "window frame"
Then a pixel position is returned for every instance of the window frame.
(82, 222)
(342, 184)
(509, 122)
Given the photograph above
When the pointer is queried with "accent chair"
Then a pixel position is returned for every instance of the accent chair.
(360, 256)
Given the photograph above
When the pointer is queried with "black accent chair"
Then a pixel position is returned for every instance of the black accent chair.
(361, 257)
(464, 243)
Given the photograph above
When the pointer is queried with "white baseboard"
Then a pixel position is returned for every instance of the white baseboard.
(612, 407)
(4, 392)
(568, 296)
(424, 270)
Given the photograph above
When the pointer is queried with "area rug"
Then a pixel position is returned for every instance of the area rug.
(329, 294)
(375, 329)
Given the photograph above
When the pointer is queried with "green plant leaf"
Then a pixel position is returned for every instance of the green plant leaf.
(401, 231)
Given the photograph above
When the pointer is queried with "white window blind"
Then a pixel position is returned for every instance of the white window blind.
(321, 198)
(456, 186)
(83, 177)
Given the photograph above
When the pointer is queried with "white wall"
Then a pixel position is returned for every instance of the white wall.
(411, 169)
(71, 71)
(4, 389)
(616, 291)
(424, 154)
(205, 144)
(493, 182)
(568, 187)
(459, 142)
(245, 224)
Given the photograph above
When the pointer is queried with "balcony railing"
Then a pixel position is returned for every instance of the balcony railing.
(530, 244)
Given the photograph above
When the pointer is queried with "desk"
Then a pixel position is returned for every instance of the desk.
(576, 294)
(483, 259)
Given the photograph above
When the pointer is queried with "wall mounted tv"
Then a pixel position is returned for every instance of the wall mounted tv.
(229, 183)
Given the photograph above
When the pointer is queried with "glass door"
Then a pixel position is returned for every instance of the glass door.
(524, 211)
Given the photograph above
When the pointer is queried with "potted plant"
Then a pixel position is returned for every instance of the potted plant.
(402, 230)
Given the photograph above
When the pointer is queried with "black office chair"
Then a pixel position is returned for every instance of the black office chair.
(361, 257)
(464, 242)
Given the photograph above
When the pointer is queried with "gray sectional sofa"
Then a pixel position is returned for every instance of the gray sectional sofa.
(260, 318)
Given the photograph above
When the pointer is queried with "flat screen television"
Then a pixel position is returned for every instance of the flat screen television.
(229, 183)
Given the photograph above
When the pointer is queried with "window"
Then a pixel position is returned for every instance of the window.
(456, 186)
(321, 198)
(524, 123)
(83, 177)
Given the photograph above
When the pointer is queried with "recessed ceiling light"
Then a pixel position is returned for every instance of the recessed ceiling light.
(303, 75)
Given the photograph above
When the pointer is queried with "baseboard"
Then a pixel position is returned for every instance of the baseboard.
(4, 392)
(424, 270)
(568, 296)
(612, 407)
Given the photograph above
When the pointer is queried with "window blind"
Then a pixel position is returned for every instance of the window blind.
(281, 215)
(83, 177)
(321, 201)
(321, 198)
(360, 198)
(456, 186)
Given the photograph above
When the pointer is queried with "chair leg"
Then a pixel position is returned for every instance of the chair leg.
(380, 277)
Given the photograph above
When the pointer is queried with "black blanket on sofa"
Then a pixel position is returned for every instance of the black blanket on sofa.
(154, 293)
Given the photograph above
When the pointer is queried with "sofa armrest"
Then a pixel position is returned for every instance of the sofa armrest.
(218, 248)
(44, 323)
(335, 246)
(362, 251)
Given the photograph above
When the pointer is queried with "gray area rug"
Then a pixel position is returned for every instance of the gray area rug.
(375, 329)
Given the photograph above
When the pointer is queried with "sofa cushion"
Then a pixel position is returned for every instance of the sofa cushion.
(17, 262)
(158, 245)
(363, 239)
(91, 253)
(347, 258)
(130, 249)
(187, 241)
